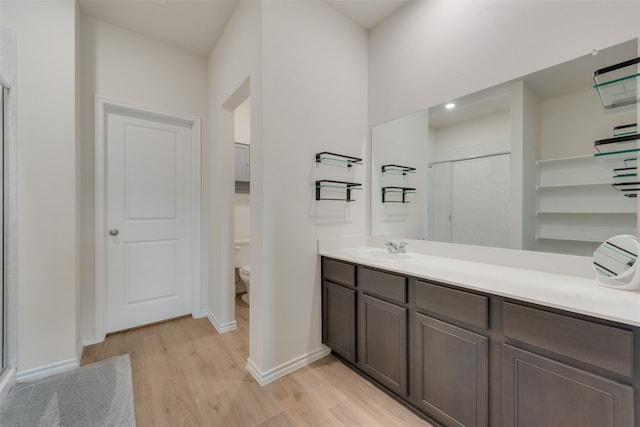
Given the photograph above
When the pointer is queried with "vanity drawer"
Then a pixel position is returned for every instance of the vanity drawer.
(456, 305)
(604, 346)
(383, 284)
(339, 272)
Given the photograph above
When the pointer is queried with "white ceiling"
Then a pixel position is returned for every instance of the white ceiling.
(195, 25)
(367, 13)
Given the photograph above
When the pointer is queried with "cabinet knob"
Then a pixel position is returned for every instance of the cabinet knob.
(114, 232)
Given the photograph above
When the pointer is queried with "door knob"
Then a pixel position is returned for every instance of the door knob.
(114, 232)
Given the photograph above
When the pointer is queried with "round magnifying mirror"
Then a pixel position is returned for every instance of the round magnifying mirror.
(615, 263)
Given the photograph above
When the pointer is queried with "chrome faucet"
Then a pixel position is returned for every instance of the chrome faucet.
(400, 248)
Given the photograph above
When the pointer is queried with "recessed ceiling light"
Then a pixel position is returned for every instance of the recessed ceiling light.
(450, 105)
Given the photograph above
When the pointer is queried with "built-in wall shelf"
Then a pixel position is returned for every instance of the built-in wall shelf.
(575, 201)
(581, 227)
(337, 159)
(402, 191)
(571, 171)
(585, 184)
(598, 198)
(398, 169)
(571, 239)
(336, 186)
(617, 85)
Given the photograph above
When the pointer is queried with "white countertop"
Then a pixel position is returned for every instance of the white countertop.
(574, 294)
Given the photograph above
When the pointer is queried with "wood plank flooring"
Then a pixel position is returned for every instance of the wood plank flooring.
(186, 374)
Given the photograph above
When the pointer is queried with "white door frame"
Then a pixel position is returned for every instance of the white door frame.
(102, 107)
(8, 75)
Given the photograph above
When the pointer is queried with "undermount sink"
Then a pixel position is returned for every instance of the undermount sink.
(381, 255)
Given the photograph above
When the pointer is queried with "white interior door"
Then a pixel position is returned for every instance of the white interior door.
(148, 198)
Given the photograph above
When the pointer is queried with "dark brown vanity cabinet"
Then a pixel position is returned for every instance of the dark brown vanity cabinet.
(539, 391)
(567, 388)
(464, 358)
(451, 363)
(382, 328)
(339, 308)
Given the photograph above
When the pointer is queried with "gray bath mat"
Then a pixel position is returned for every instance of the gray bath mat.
(100, 394)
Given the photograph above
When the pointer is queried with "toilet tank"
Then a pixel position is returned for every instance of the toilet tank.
(242, 253)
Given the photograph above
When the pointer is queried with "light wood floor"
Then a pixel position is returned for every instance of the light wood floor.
(186, 374)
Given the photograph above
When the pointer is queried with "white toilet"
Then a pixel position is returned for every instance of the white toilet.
(245, 275)
(242, 258)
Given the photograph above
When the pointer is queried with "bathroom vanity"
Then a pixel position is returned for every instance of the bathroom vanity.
(468, 344)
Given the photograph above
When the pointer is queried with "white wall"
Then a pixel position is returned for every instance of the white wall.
(569, 124)
(46, 182)
(234, 71)
(284, 55)
(401, 142)
(430, 52)
(242, 122)
(479, 136)
(315, 88)
(125, 66)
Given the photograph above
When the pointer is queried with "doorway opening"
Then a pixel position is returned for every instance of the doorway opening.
(242, 210)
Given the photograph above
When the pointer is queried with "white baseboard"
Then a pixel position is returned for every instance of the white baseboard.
(199, 315)
(7, 379)
(92, 341)
(264, 378)
(45, 371)
(222, 327)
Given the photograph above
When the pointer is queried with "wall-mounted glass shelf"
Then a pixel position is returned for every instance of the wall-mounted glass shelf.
(628, 129)
(630, 187)
(617, 85)
(397, 169)
(326, 184)
(626, 158)
(631, 170)
(627, 177)
(403, 191)
(337, 159)
(617, 143)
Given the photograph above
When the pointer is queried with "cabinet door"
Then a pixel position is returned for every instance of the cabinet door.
(542, 392)
(382, 336)
(451, 373)
(242, 162)
(339, 319)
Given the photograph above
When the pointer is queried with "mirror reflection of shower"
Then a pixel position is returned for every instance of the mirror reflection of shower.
(242, 207)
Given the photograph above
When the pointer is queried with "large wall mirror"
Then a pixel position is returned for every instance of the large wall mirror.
(514, 166)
